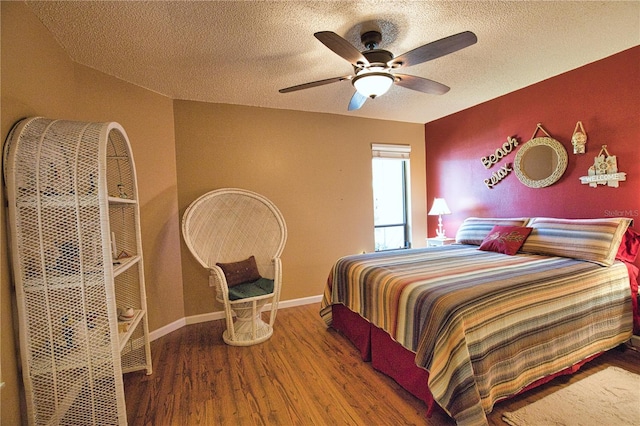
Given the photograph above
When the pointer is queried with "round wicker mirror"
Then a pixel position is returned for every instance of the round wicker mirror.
(540, 162)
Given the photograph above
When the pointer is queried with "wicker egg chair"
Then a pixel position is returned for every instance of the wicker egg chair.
(238, 236)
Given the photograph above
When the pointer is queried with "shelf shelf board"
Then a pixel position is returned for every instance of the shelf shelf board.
(118, 200)
(69, 359)
(53, 281)
(138, 314)
(56, 201)
(121, 265)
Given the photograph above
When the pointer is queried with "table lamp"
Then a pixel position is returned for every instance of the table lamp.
(439, 208)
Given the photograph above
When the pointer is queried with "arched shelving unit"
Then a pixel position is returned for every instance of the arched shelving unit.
(74, 228)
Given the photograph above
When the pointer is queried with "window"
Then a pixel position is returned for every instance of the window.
(390, 167)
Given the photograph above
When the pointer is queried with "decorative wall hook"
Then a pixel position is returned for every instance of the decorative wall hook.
(579, 139)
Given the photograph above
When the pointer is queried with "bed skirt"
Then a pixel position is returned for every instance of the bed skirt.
(389, 357)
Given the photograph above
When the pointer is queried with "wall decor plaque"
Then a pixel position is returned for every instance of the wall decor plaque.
(579, 139)
(604, 171)
(500, 152)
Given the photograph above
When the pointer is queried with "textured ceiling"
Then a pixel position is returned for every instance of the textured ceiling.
(242, 52)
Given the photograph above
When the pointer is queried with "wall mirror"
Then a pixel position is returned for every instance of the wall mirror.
(540, 162)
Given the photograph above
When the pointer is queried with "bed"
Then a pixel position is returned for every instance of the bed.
(512, 304)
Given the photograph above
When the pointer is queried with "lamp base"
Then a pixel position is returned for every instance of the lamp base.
(440, 231)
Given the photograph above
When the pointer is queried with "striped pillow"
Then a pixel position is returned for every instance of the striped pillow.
(475, 229)
(594, 240)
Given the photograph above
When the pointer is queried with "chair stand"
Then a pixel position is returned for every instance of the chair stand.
(248, 328)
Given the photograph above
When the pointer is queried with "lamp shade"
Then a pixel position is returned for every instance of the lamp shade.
(439, 207)
(372, 84)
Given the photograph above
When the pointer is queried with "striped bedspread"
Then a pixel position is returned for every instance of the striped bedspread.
(485, 325)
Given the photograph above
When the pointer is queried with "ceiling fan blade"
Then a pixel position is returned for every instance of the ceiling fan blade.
(342, 47)
(315, 84)
(421, 84)
(356, 102)
(434, 50)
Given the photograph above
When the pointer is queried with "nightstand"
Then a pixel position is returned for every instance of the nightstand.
(435, 242)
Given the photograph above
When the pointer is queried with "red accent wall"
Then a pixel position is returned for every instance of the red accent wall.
(604, 95)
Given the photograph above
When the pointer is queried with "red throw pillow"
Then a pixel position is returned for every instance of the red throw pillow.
(505, 239)
(245, 271)
(628, 250)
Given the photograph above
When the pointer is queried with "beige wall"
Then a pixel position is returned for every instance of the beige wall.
(315, 167)
(38, 78)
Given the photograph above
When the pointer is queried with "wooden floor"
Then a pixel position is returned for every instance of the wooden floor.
(304, 375)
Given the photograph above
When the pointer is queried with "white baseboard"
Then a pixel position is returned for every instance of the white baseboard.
(299, 302)
(635, 341)
(163, 331)
(212, 316)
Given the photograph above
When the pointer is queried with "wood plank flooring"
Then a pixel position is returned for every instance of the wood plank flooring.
(304, 375)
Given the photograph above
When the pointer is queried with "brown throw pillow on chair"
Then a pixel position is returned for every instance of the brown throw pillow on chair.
(245, 271)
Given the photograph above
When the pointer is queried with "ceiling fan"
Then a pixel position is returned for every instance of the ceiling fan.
(375, 68)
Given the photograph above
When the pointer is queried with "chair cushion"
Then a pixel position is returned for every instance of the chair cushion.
(261, 287)
(241, 272)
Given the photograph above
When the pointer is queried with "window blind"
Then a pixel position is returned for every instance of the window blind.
(379, 150)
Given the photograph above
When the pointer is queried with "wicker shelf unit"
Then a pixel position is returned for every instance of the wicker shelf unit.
(74, 228)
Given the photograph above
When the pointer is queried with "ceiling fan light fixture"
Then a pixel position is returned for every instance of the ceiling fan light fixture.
(372, 84)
